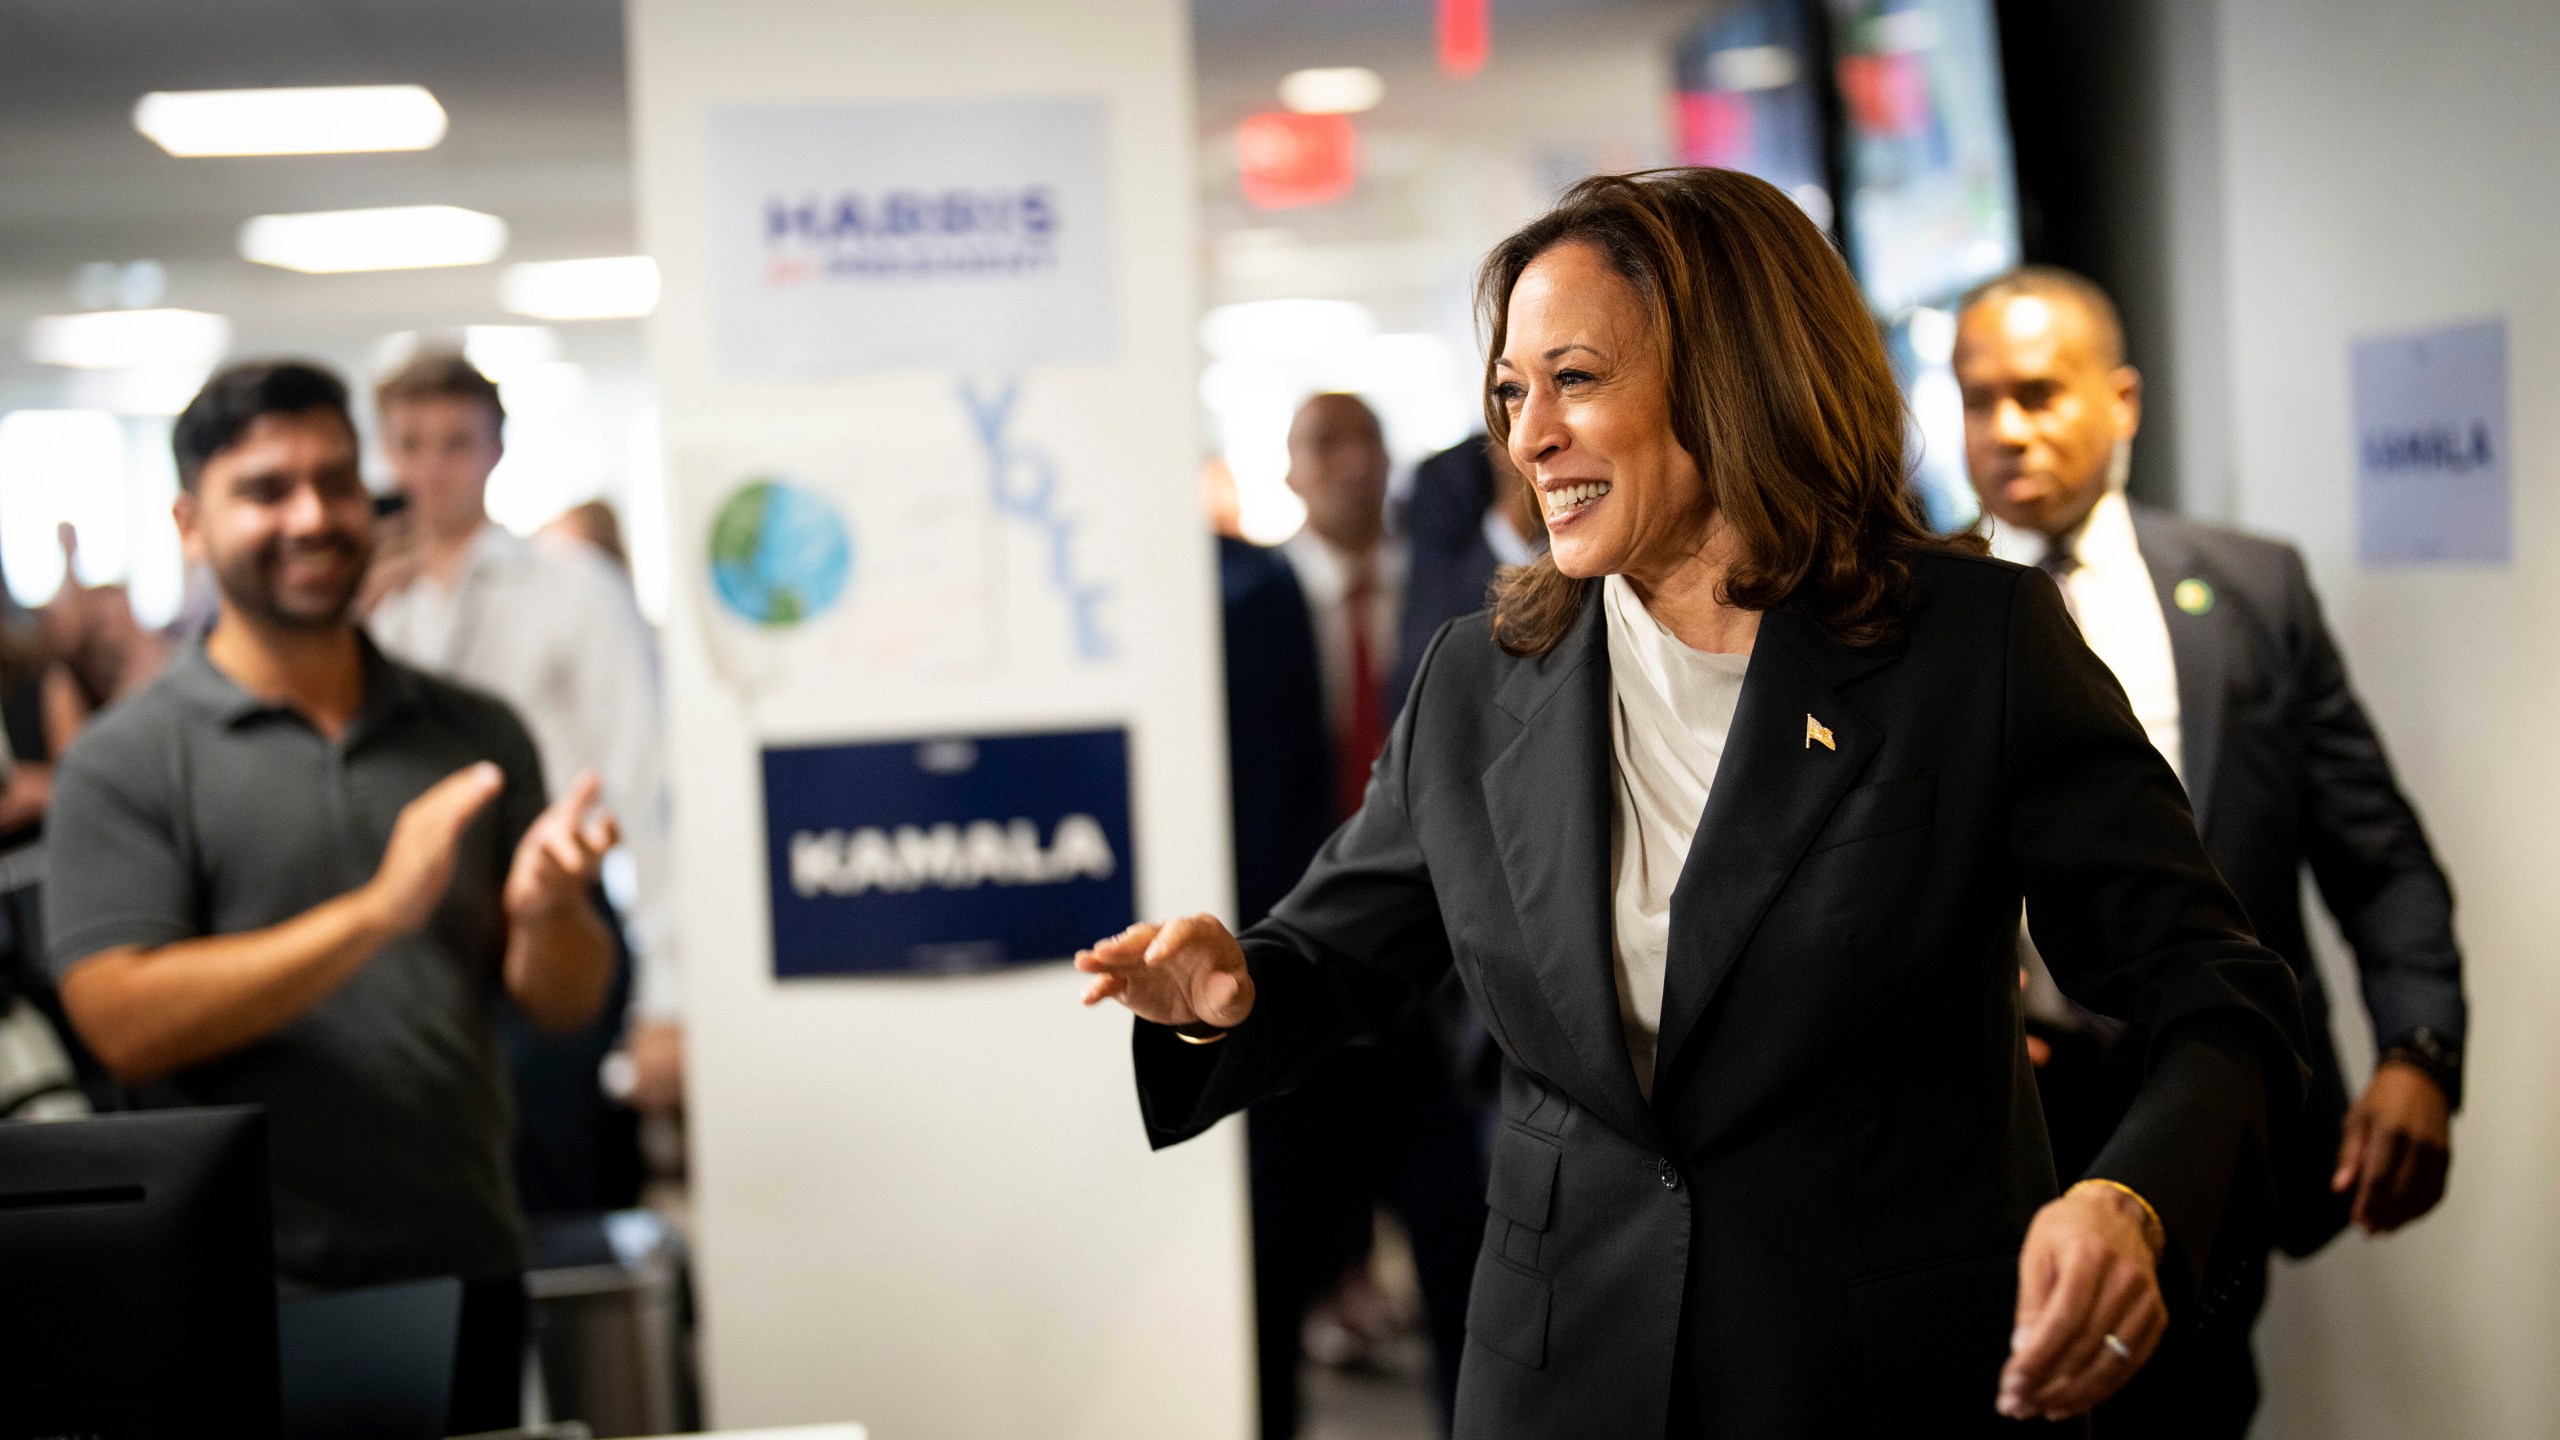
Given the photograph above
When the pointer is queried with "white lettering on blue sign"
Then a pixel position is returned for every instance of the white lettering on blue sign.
(948, 857)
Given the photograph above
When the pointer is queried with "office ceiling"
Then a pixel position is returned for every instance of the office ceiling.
(535, 92)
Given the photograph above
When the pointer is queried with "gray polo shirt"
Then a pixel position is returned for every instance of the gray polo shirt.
(195, 809)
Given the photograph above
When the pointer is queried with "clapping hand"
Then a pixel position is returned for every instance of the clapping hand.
(417, 864)
(562, 853)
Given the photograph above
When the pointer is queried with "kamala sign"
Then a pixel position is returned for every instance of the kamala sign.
(947, 854)
(907, 236)
(2431, 446)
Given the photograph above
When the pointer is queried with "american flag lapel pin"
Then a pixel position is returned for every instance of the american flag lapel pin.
(1815, 730)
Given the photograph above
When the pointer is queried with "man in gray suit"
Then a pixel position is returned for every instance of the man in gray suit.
(2220, 646)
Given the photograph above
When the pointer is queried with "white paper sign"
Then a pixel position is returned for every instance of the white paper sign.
(2431, 446)
(906, 236)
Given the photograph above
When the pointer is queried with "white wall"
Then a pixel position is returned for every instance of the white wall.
(927, 1204)
(2390, 166)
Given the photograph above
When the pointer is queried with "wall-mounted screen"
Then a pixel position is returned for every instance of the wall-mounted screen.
(1932, 196)
(1749, 100)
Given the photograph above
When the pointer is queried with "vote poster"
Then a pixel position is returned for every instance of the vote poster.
(947, 854)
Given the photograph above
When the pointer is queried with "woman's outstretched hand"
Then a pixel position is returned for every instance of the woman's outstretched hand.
(2087, 1276)
(1182, 972)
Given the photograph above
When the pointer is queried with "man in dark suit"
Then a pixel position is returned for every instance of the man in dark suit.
(2219, 643)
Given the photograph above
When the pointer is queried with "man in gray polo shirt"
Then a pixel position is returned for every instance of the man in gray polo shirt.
(298, 874)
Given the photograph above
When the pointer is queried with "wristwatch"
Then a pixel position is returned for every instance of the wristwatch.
(2432, 1055)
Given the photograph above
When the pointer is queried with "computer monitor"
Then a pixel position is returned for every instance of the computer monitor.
(138, 1268)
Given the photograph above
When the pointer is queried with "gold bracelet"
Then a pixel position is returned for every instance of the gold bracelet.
(2155, 1232)
(1223, 1034)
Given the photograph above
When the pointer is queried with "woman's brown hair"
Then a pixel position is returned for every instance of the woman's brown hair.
(1779, 390)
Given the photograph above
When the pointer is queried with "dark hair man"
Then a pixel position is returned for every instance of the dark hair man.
(2220, 646)
(297, 874)
(556, 633)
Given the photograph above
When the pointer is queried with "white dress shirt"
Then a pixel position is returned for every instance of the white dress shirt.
(1670, 711)
(2111, 595)
(553, 630)
(1324, 576)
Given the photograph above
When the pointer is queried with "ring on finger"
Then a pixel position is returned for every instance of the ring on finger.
(2118, 1348)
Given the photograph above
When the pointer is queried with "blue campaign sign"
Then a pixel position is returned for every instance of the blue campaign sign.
(946, 854)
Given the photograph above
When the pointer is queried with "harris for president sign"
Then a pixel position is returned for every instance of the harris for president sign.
(907, 236)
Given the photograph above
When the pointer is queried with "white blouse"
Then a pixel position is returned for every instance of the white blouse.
(1670, 710)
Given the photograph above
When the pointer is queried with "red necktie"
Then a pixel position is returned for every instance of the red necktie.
(1366, 734)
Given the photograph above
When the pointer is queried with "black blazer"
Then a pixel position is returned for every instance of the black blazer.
(2285, 770)
(1449, 566)
(1813, 1226)
(1279, 753)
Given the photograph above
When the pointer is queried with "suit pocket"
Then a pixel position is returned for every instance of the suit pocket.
(1937, 1333)
(1523, 1185)
(1507, 1311)
(1888, 807)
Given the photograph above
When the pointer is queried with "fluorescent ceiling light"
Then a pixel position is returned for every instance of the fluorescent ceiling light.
(115, 339)
(1332, 90)
(614, 288)
(307, 120)
(400, 237)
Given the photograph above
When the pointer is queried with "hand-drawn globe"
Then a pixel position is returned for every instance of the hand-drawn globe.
(780, 553)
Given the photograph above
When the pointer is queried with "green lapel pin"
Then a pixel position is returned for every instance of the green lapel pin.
(2193, 596)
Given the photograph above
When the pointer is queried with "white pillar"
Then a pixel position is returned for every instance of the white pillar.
(925, 1202)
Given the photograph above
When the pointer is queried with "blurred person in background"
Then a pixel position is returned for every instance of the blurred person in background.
(1471, 516)
(555, 632)
(78, 654)
(594, 524)
(100, 652)
(299, 874)
(1219, 501)
(2219, 643)
(42, 1066)
(1312, 655)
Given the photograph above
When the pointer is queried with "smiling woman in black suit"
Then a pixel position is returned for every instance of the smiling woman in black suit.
(1723, 815)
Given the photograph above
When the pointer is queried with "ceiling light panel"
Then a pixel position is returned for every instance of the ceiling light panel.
(1332, 90)
(609, 288)
(116, 339)
(400, 237)
(307, 120)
